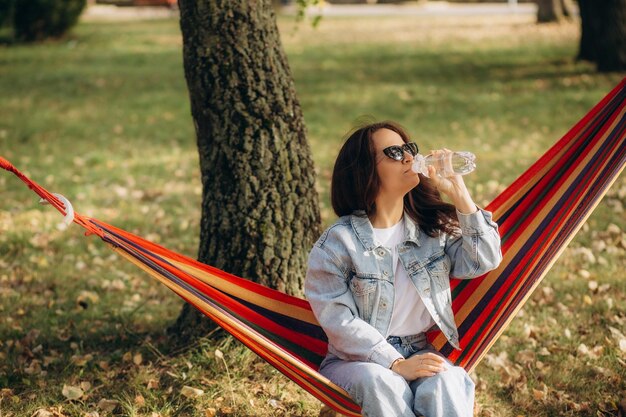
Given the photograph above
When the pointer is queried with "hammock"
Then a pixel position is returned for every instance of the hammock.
(537, 215)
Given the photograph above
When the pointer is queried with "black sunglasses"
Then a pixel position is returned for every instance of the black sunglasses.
(396, 152)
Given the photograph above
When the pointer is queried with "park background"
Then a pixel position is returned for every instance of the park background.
(102, 116)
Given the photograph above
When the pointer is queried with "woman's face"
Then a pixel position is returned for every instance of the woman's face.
(396, 177)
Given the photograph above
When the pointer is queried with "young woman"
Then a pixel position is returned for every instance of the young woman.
(379, 278)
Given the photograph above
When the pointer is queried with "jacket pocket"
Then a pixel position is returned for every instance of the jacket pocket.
(364, 293)
(438, 268)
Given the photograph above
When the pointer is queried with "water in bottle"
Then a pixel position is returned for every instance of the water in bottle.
(461, 163)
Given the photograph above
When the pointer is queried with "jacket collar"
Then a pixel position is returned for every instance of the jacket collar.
(365, 231)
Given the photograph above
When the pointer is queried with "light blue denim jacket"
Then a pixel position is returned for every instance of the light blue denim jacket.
(349, 281)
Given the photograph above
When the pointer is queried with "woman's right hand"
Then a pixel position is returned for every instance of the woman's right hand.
(420, 366)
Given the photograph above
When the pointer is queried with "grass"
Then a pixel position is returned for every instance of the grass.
(103, 117)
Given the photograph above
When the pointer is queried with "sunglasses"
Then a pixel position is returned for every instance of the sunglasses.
(396, 152)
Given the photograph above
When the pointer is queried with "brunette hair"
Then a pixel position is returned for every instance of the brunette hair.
(355, 184)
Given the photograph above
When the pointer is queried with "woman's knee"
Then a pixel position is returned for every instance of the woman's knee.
(448, 393)
(375, 378)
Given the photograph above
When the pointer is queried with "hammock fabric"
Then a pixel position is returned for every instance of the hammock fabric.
(537, 215)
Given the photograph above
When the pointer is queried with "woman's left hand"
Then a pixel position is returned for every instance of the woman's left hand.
(452, 186)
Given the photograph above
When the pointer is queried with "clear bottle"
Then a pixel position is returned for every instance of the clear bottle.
(461, 163)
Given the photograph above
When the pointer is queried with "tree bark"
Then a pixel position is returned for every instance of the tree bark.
(260, 211)
(587, 49)
(603, 34)
(549, 11)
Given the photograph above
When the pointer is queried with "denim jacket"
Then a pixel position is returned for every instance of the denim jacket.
(350, 282)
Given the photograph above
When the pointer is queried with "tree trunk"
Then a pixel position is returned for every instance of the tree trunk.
(260, 212)
(549, 11)
(568, 8)
(603, 34)
(587, 49)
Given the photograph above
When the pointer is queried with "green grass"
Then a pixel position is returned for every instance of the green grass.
(103, 117)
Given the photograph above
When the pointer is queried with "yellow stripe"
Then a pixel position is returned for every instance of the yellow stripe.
(235, 290)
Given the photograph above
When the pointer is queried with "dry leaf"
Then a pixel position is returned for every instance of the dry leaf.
(85, 386)
(42, 412)
(538, 395)
(219, 354)
(140, 400)
(86, 298)
(79, 360)
(137, 359)
(582, 349)
(107, 405)
(544, 352)
(71, 392)
(210, 412)
(191, 392)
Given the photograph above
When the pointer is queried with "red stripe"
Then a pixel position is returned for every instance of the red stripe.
(302, 340)
(244, 283)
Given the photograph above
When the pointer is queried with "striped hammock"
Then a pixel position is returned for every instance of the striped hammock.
(537, 215)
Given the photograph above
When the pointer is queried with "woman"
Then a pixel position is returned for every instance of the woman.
(379, 278)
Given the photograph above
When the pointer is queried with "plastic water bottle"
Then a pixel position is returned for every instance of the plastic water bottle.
(461, 163)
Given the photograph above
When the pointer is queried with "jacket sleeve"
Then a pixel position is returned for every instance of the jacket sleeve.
(477, 250)
(349, 337)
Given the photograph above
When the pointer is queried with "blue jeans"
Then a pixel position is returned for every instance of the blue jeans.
(383, 393)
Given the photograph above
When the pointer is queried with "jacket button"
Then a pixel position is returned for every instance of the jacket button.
(385, 273)
(381, 252)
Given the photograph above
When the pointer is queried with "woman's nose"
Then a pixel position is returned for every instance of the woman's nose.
(407, 157)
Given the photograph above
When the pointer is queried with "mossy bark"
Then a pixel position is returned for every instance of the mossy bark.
(260, 211)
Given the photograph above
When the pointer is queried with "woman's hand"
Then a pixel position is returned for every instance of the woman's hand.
(453, 186)
(419, 366)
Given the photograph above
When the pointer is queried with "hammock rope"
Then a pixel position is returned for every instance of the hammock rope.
(538, 215)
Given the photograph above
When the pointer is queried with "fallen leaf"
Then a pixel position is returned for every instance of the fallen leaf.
(137, 359)
(152, 384)
(71, 392)
(108, 405)
(191, 392)
(538, 395)
(219, 354)
(42, 412)
(87, 298)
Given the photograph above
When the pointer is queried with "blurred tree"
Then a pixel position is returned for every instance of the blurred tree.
(260, 212)
(553, 10)
(603, 33)
(37, 20)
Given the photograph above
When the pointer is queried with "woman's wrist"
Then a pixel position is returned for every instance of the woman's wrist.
(395, 363)
(464, 204)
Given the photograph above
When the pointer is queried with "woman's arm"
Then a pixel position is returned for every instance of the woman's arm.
(477, 251)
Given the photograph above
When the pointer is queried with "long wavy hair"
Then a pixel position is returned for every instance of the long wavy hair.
(355, 184)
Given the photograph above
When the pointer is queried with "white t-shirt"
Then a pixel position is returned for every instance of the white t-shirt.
(410, 315)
